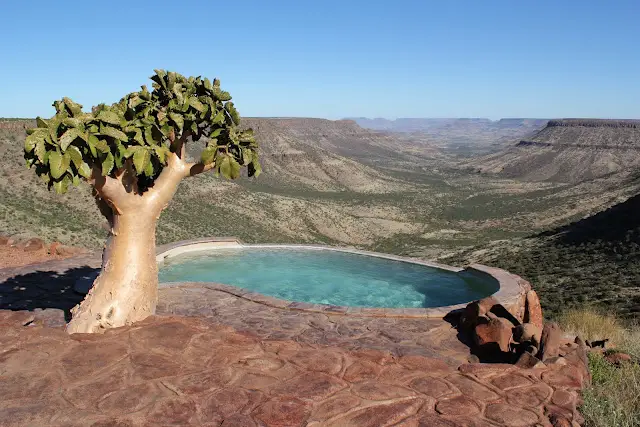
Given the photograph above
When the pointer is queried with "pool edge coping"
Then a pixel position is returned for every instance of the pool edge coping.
(511, 291)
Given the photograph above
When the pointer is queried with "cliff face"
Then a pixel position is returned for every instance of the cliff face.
(569, 150)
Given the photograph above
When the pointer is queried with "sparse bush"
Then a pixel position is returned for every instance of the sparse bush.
(613, 399)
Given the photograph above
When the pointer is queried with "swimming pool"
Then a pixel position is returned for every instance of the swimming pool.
(328, 276)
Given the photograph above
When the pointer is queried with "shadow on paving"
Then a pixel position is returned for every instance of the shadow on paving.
(44, 290)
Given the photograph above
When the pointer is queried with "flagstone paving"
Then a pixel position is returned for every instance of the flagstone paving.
(214, 359)
(186, 371)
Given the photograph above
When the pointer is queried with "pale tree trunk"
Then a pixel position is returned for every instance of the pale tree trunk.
(127, 288)
(126, 291)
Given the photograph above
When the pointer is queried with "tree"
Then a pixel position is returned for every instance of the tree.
(133, 155)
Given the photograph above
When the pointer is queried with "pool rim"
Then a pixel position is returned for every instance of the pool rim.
(511, 291)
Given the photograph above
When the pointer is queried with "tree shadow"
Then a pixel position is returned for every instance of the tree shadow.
(44, 289)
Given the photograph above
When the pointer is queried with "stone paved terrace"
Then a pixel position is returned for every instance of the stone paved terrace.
(213, 358)
(185, 371)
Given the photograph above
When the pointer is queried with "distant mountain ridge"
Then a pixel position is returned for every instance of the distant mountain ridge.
(569, 150)
(426, 124)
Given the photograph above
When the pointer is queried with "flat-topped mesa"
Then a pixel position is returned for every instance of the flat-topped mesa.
(569, 150)
(595, 123)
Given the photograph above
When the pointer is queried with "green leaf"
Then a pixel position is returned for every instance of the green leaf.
(109, 117)
(254, 169)
(114, 133)
(76, 180)
(177, 119)
(75, 155)
(57, 164)
(30, 143)
(234, 168)
(107, 164)
(216, 133)
(73, 107)
(72, 122)
(148, 170)
(161, 153)
(93, 142)
(148, 135)
(208, 154)
(219, 118)
(41, 150)
(225, 167)
(84, 170)
(140, 159)
(41, 123)
(60, 186)
(195, 103)
(68, 137)
(138, 137)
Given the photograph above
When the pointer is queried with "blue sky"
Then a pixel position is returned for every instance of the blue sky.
(333, 59)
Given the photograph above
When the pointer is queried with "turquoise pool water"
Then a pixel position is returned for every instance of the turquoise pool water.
(327, 277)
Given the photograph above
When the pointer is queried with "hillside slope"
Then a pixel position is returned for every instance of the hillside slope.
(595, 260)
(570, 150)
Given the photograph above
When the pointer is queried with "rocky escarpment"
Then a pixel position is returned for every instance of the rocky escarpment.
(569, 150)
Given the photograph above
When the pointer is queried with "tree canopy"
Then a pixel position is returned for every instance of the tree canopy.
(139, 132)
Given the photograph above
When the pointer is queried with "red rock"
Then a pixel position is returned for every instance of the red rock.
(529, 397)
(283, 412)
(53, 248)
(130, 399)
(564, 376)
(510, 416)
(33, 245)
(560, 421)
(311, 359)
(424, 364)
(4, 240)
(149, 365)
(433, 387)
(550, 341)
(564, 398)
(527, 332)
(64, 250)
(527, 361)
(175, 411)
(339, 404)
(510, 381)
(486, 304)
(533, 309)
(461, 405)
(310, 386)
(203, 381)
(617, 358)
(92, 356)
(494, 331)
(485, 370)
(113, 422)
(384, 414)
(15, 318)
(472, 388)
(171, 335)
(226, 402)
(239, 420)
(362, 370)
(374, 390)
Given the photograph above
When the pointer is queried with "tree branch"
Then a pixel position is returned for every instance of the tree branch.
(167, 182)
(181, 144)
(193, 169)
(110, 190)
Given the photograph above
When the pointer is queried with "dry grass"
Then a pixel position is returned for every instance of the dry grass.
(613, 399)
